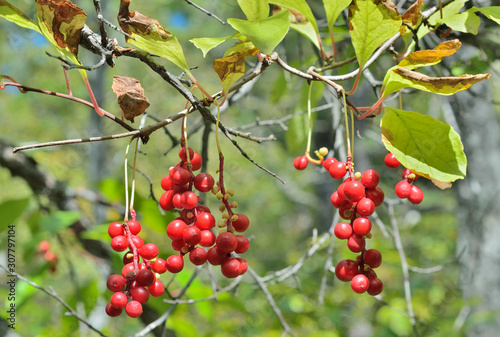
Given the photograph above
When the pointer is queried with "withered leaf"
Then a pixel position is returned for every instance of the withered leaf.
(230, 68)
(413, 16)
(130, 96)
(430, 57)
(135, 22)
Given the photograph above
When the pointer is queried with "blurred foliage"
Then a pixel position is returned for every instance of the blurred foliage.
(283, 217)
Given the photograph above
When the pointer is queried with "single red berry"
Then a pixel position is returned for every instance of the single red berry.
(44, 245)
(166, 201)
(403, 189)
(376, 286)
(179, 244)
(373, 258)
(243, 244)
(116, 283)
(119, 243)
(365, 207)
(215, 257)
(327, 163)
(354, 190)
(133, 309)
(376, 195)
(148, 251)
(391, 161)
(156, 289)
(192, 235)
(128, 268)
(300, 163)
(145, 277)
(176, 200)
(362, 226)
(119, 300)
(226, 242)
(180, 175)
(243, 265)
(139, 294)
(175, 229)
(159, 266)
(336, 201)
(198, 256)
(360, 283)
(189, 199)
(196, 161)
(205, 221)
(201, 209)
(203, 182)
(416, 195)
(111, 311)
(134, 227)
(370, 178)
(340, 192)
(114, 229)
(207, 238)
(346, 270)
(356, 243)
(128, 257)
(343, 230)
(338, 170)
(167, 183)
(230, 268)
(137, 241)
(241, 224)
(183, 154)
(174, 263)
(345, 212)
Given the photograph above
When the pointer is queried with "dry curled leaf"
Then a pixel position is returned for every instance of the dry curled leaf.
(130, 96)
(135, 22)
(413, 16)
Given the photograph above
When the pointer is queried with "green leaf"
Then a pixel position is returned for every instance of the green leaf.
(306, 29)
(300, 6)
(371, 25)
(205, 44)
(333, 8)
(435, 19)
(466, 22)
(265, 34)
(11, 210)
(424, 145)
(254, 10)
(59, 220)
(12, 14)
(492, 12)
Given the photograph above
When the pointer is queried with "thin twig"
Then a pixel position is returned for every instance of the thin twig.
(205, 11)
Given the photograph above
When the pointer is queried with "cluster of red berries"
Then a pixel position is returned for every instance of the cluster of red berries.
(405, 188)
(48, 255)
(191, 232)
(138, 280)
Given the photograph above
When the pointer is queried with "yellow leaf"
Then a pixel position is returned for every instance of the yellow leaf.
(232, 67)
(430, 57)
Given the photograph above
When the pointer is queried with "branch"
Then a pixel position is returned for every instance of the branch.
(53, 294)
(205, 11)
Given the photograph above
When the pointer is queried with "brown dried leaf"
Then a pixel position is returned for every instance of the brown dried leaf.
(232, 67)
(135, 22)
(130, 96)
(422, 58)
(413, 16)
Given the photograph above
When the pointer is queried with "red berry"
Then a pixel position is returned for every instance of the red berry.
(175, 229)
(327, 163)
(354, 190)
(189, 200)
(230, 268)
(300, 163)
(376, 286)
(215, 257)
(416, 195)
(391, 161)
(44, 246)
(134, 227)
(137, 241)
(243, 244)
(343, 230)
(167, 183)
(145, 277)
(360, 283)
(365, 207)
(174, 263)
(166, 201)
(345, 212)
(159, 266)
(111, 311)
(226, 242)
(148, 251)
(336, 201)
(356, 243)
(203, 182)
(243, 265)
(198, 256)
(201, 209)
(180, 175)
(241, 224)
(207, 238)
(133, 309)
(362, 226)
(139, 294)
(376, 195)
(183, 154)
(116, 283)
(340, 192)
(373, 258)
(196, 161)
(156, 289)
(114, 229)
(403, 189)
(119, 243)
(179, 244)
(370, 178)
(176, 200)
(192, 235)
(128, 268)
(346, 270)
(205, 220)
(338, 170)
(119, 300)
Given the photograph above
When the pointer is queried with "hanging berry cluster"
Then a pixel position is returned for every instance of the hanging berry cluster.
(405, 188)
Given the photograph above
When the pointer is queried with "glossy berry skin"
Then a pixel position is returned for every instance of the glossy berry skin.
(338, 170)
(128, 257)
(133, 309)
(300, 163)
(226, 242)
(111, 311)
(159, 266)
(360, 283)
(137, 241)
(178, 244)
(134, 227)
(119, 243)
(376, 286)
(243, 244)
(373, 258)
(354, 190)
(114, 229)
(196, 161)
(346, 270)
(188, 200)
(174, 263)
(207, 238)
(336, 201)
(175, 229)
(343, 230)
(365, 207)
(183, 153)
(230, 268)
(180, 175)
(203, 182)
(376, 195)
(362, 226)
(198, 256)
(416, 195)
(167, 183)
(327, 163)
(243, 265)
(145, 277)
(356, 243)
(205, 221)
(215, 257)
(156, 289)
(148, 251)
(139, 294)
(128, 269)
(116, 283)
(241, 224)
(391, 161)
(166, 201)
(370, 178)
(403, 189)
(192, 235)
